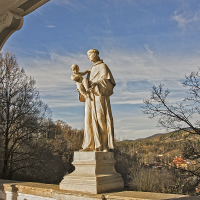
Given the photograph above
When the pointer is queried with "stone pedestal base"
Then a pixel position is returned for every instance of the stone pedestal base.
(94, 173)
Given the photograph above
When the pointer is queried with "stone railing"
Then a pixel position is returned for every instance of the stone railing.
(14, 190)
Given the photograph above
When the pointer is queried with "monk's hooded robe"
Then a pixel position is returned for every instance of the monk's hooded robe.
(99, 130)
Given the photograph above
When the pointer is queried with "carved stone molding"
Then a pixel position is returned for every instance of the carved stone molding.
(9, 23)
(94, 173)
(11, 15)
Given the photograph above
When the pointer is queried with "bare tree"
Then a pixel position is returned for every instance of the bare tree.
(180, 116)
(21, 115)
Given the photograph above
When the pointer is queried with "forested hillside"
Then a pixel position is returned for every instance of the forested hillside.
(168, 145)
(149, 164)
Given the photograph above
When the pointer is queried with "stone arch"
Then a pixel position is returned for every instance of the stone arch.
(12, 13)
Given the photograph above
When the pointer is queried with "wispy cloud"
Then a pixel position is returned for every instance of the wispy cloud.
(135, 74)
(50, 26)
(62, 2)
(72, 5)
(186, 17)
(149, 51)
(136, 40)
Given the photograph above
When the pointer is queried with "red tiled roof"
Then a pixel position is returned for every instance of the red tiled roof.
(179, 160)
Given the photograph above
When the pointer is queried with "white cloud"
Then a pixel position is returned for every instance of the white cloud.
(186, 18)
(149, 51)
(135, 74)
(71, 5)
(134, 125)
(61, 2)
(50, 26)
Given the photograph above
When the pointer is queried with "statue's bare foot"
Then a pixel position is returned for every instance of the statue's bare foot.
(105, 150)
(97, 149)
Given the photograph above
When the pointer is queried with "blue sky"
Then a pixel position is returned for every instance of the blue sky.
(144, 43)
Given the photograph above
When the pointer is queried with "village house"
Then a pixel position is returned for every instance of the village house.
(178, 162)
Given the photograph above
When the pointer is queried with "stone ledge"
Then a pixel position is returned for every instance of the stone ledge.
(30, 191)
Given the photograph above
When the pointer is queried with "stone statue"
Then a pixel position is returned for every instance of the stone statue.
(96, 90)
(94, 165)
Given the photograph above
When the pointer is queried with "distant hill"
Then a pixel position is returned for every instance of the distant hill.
(149, 137)
(155, 135)
(169, 145)
(164, 135)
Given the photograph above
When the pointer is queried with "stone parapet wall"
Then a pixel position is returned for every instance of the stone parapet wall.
(14, 190)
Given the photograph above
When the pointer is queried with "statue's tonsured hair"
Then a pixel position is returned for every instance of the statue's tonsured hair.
(93, 51)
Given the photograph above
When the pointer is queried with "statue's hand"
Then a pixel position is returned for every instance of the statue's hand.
(93, 85)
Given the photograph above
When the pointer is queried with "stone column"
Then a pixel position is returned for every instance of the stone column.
(94, 173)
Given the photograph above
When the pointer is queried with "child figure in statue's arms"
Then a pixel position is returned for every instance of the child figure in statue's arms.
(82, 83)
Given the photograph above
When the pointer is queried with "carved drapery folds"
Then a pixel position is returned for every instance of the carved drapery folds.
(9, 23)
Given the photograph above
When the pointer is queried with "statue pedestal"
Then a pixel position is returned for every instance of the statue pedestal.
(94, 173)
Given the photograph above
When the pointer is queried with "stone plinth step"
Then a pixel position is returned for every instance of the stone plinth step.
(94, 173)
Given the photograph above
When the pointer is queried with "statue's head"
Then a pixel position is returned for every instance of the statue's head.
(93, 55)
(75, 68)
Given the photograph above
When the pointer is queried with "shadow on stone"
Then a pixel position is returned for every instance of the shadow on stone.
(184, 198)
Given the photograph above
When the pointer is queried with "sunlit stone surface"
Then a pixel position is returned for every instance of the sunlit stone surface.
(94, 173)
(14, 190)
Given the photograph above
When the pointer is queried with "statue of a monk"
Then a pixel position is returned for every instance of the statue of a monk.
(99, 130)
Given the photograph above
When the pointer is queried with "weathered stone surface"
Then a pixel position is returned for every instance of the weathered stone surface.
(11, 15)
(94, 173)
(95, 90)
(9, 23)
(13, 190)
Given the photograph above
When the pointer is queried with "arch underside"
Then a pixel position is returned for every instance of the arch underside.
(12, 13)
